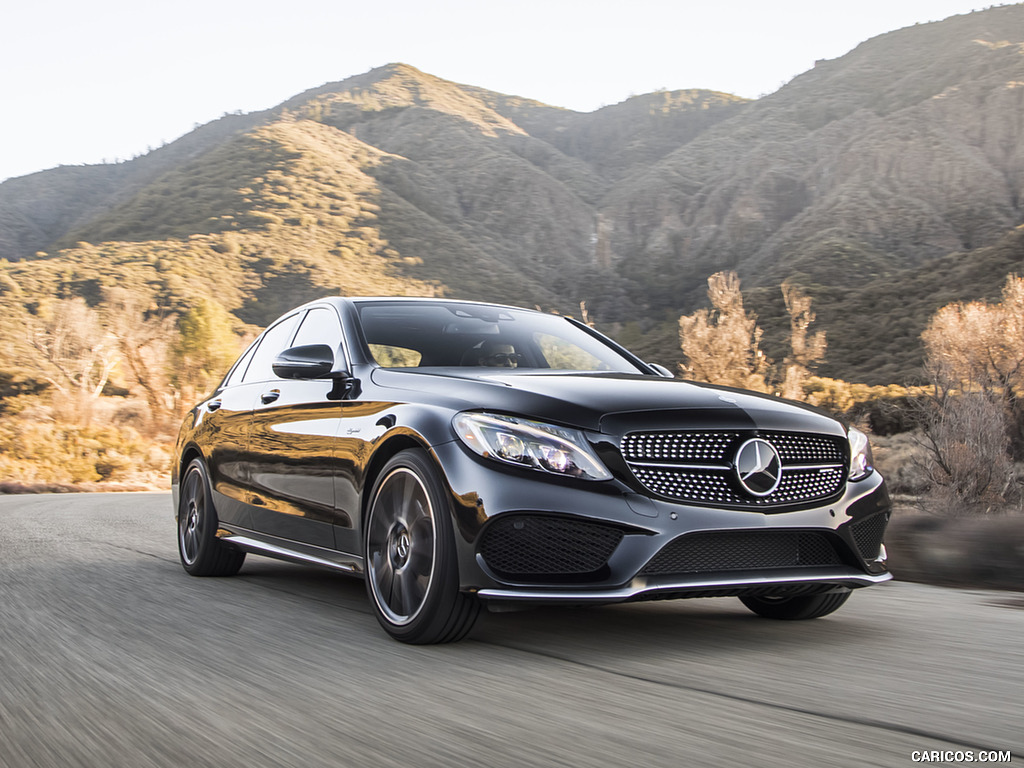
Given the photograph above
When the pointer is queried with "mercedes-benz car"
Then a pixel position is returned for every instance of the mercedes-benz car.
(458, 455)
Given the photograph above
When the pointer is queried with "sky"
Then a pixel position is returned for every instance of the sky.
(105, 80)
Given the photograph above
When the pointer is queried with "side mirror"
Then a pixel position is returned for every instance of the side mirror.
(313, 361)
(661, 370)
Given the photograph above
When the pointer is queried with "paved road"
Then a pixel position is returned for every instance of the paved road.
(110, 655)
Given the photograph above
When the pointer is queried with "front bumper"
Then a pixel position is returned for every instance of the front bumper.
(484, 493)
(720, 585)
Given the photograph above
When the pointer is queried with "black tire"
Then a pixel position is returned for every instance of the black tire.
(201, 552)
(412, 573)
(796, 608)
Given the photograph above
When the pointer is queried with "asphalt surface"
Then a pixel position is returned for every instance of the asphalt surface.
(110, 655)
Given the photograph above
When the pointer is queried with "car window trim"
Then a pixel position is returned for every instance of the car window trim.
(263, 335)
(341, 329)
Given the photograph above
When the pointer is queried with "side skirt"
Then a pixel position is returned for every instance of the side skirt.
(282, 549)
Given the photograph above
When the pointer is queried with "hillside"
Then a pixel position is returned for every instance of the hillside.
(872, 180)
(905, 150)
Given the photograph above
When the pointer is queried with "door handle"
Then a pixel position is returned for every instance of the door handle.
(271, 396)
(213, 405)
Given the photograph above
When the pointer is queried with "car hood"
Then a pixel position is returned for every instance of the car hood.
(606, 402)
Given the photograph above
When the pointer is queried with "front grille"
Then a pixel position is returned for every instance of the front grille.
(697, 467)
(741, 551)
(868, 535)
(677, 446)
(714, 487)
(532, 546)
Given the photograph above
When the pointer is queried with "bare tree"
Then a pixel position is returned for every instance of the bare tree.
(806, 351)
(979, 347)
(972, 423)
(144, 335)
(967, 459)
(78, 354)
(721, 344)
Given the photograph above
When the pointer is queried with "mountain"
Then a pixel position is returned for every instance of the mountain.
(904, 150)
(864, 180)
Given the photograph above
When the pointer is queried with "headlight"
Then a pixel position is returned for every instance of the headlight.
(530, 444)
(861, 461)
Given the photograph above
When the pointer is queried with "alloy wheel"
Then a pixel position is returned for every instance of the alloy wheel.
(401, 546)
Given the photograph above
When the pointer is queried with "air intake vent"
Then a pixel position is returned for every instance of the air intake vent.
(741, 551)
(532, 547)
(868, 535)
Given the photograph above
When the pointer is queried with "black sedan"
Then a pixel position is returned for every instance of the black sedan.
(457, 454)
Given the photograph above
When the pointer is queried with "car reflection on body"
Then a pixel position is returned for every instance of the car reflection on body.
(459, 454)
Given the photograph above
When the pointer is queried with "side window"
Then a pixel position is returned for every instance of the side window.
(239, 370)
(320, 326)
(274, 342)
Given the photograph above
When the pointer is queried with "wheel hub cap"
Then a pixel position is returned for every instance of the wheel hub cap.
(192, 521)
(400, 546)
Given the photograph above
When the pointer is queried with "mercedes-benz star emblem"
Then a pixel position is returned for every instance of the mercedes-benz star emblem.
(758, 467)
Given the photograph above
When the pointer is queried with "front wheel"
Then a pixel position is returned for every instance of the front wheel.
(796, 608)
(412, 574)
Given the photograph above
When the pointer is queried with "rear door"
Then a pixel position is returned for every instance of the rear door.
(226, 418)
(291, 437)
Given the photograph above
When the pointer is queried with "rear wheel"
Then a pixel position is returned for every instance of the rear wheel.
(201, 552)
(796, 608)
(412, 574)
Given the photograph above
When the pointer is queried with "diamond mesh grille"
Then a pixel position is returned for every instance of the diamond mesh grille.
(530, 545)
(742, 550)
(813, 466)
(868, 535)
(703, 447)
(805, 449)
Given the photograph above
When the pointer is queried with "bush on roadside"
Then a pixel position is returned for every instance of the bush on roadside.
(901, 460)
(979, 552)
(37, 448)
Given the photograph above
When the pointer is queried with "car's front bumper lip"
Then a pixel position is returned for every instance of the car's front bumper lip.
(641, 586)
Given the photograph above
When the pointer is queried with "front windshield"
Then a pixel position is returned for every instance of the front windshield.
(444, 334)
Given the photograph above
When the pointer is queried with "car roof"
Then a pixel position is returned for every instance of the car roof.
(341, 303)
(416, 299)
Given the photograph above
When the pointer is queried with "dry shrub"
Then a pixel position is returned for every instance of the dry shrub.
(886, 409)
(968, 455)
(806, 349)
(131, 413)
(38, 449)
(972, 421)
(722, 344)
(901, 459)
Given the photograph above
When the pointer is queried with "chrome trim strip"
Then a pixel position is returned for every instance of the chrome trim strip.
(793, 467)
(260, 547)
(640, 585)
(667, 465)
(725, 467)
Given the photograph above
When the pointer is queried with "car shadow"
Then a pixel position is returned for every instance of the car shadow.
(715, 626)
(307, 582)
(708, 625)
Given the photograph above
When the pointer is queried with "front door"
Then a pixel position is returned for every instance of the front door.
(291, 437)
